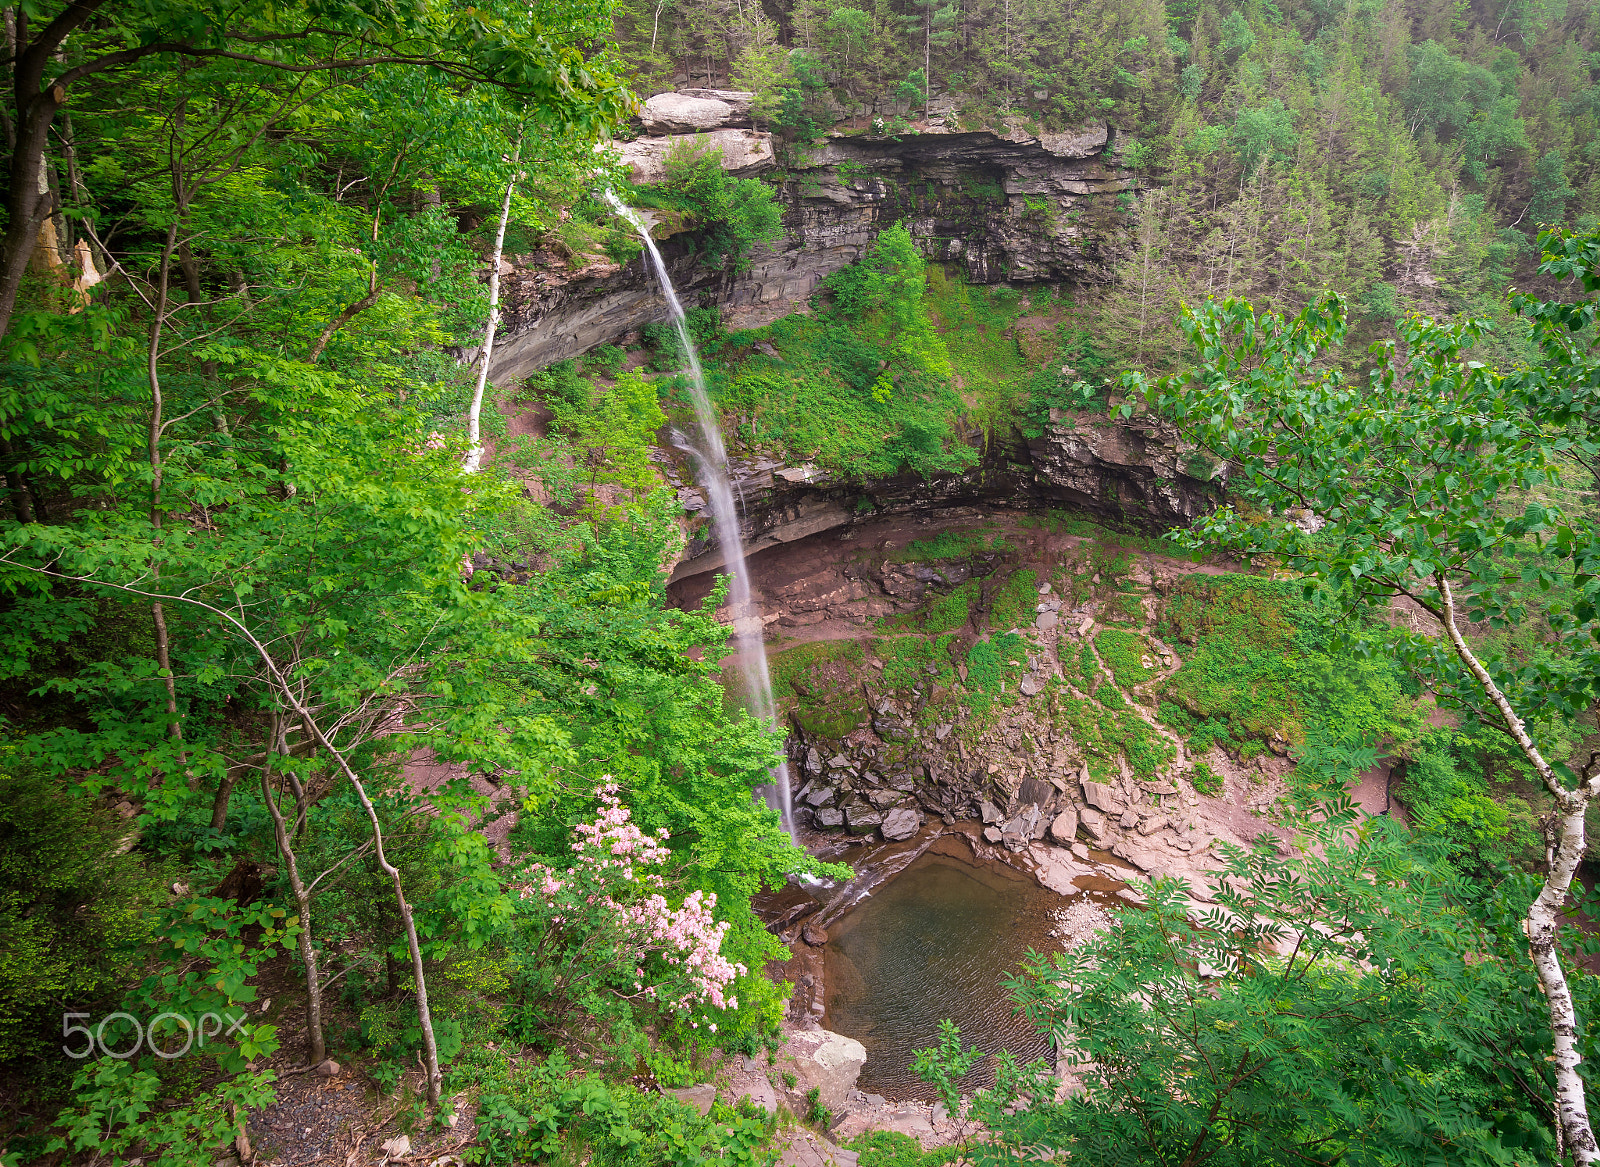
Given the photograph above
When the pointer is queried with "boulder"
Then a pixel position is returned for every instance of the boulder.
(679, 113)
(744, 152)
(700, 1097)
(1030, 686)
(1045, 621)
(829, 818)
(821, 795)
(1034, 791)
(884, 799)
(1099, 795)
(989, 812)
(826, 1062)
(862, 819)
(739, 99)
(813, 761)
(1154, 823)
(813, 936)
(902, 823)
(992, 834)
(1064, 828)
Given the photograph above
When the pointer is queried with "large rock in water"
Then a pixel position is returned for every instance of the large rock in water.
(1065, 827)
(679, 113)
(902, 823)
(825, 1061)
(744, 152)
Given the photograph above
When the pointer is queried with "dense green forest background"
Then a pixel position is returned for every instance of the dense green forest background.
(250, 586)
(1404, 154)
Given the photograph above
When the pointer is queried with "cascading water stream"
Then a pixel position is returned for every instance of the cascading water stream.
(712, 457)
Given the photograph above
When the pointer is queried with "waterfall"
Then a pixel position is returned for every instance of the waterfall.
(712, 457)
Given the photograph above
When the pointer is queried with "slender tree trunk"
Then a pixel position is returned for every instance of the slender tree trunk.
(316, 1047)
(475, 414)
(360, 305)
(153, 371)
(430, 1048)
(1543, 922)
(16, 483)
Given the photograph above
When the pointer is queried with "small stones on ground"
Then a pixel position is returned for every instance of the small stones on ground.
(1075, 922)
(1044, 589)
(940, 732)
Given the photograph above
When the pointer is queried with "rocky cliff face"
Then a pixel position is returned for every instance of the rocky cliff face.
(1003, 205)
(1131, 472)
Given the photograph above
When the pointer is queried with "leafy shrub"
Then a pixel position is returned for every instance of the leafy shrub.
(893, 1149)
(1016, 600)
(1206, 780)
(734, 214)
(1124, 654)
(70, 907)
(607, 359)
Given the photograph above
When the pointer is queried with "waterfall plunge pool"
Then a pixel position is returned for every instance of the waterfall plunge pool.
(937, 941)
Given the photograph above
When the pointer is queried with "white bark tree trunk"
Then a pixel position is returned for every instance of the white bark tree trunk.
(475, 414)
(1543, 922)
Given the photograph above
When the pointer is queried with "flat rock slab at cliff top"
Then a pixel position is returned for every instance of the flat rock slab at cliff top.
(679, 113)
(744, 152)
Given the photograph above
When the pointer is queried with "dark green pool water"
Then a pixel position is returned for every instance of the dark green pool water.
(937, 942)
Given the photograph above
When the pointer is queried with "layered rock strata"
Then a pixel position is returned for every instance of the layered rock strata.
(1001, 204)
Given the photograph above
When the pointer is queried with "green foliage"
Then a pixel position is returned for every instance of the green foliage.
(1267, 663)
(995, 667)
(1206, 780)
(824, 401)
(893, 1149)
(951, 545)
(807, 680)
(1014, 603)
(72, 906)
(735, 215)
(1125, 654)
(118, 1109)
(1283, 1056)
(547, 1111)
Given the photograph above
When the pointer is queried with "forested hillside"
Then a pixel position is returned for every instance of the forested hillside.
(1404, 154)
(364, 770)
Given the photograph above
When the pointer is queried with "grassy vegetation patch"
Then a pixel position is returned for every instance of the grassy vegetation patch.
(1206, 780)
(915, 661)
(1264, 664)
(1107, 728)
(1126, 654)
(1014, 603)
(953, 611)
(991, 664)
(893, 1149)
(951, 545)
(816, 683)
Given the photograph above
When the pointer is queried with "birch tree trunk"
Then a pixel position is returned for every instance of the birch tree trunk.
(158, 614)
(475, 414)
(1543, 922)
(317, 1046)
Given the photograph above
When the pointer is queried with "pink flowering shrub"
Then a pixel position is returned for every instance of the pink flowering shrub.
(603, 937)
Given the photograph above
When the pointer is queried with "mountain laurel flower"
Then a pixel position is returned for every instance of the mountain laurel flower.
(604, 894)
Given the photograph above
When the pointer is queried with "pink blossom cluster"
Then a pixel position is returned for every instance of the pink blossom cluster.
(615, 874)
